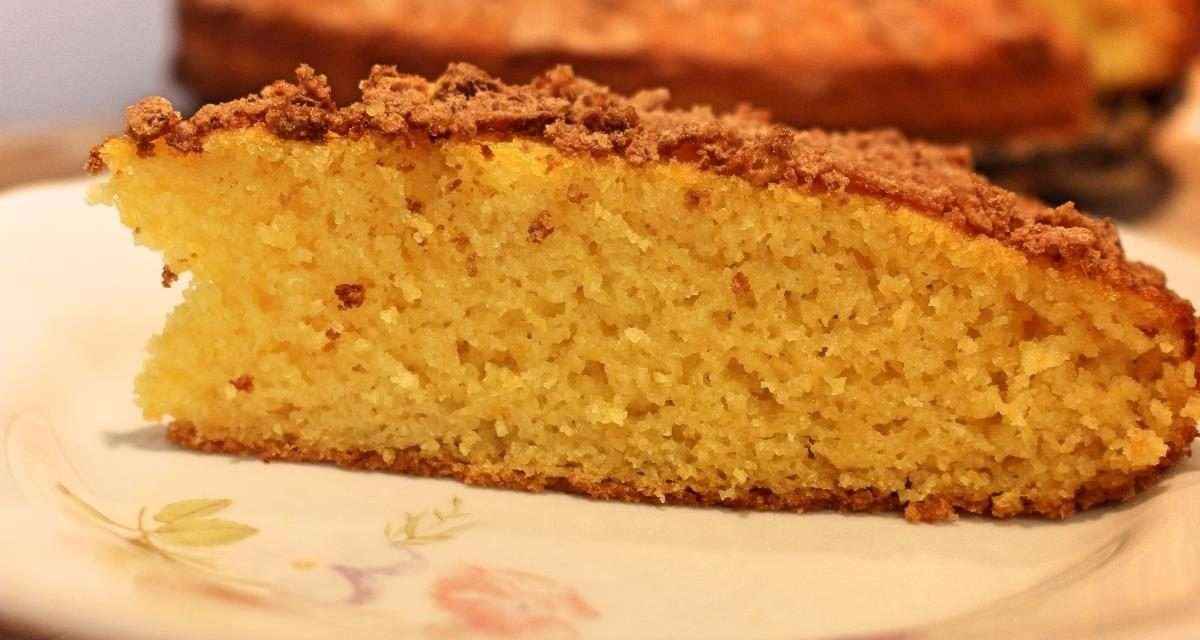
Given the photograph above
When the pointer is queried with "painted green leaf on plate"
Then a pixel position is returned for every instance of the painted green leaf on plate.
(204, 532)
(190, 509)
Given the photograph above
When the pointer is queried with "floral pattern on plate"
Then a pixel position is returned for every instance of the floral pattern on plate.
(481, 601)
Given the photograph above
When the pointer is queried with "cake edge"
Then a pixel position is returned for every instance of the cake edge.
(935, 508)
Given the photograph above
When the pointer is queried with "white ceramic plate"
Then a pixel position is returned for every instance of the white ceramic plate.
(231, 548)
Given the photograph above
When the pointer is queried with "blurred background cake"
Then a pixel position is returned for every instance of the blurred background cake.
(1138, 55)
(946, 69)
(1133, 45)
(1057, 96)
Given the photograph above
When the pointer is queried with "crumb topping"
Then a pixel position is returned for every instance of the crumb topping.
(578, 116)
(150, 118)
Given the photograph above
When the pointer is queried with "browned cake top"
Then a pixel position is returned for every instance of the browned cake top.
(818, 33)
(580, 117)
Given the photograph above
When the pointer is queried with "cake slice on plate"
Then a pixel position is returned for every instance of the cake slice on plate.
(555, 286)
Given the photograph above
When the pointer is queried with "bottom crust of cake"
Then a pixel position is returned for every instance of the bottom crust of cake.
(934, 508)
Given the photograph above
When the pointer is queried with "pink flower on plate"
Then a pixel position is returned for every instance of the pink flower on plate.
(504, 603)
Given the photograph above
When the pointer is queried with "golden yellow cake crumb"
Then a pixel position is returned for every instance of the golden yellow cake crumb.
(514, 313)
(765, 339)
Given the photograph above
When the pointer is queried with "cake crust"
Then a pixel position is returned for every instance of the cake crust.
(935, 508)
(577, 116)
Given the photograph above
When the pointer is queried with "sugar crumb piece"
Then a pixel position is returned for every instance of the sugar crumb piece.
(740, 285)
(349, 296)
(540, 228)
(695, 198)
(150, 118)
(1191, 410)
(168, 277)
(575, 196)
(243, 383)
(331, 337)
(95, 163)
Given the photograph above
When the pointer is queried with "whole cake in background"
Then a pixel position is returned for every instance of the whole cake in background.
(1139, 52)
(1133, 45)
(1057, 96)
(980, 70)
(554, 286)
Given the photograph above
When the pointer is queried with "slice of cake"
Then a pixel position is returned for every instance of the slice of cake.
(555, 286)
(947, 69)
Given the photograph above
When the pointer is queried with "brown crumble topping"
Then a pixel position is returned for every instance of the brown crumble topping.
(149, 119)
(349, 295)
(414, 205)
(95, 162)
(453, 185)
(577, 116)
(486, 152)
(168, 277)
(540, 228)
(243, 383)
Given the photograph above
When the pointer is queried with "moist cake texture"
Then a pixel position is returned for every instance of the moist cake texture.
(982, 70)
(555, 286)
